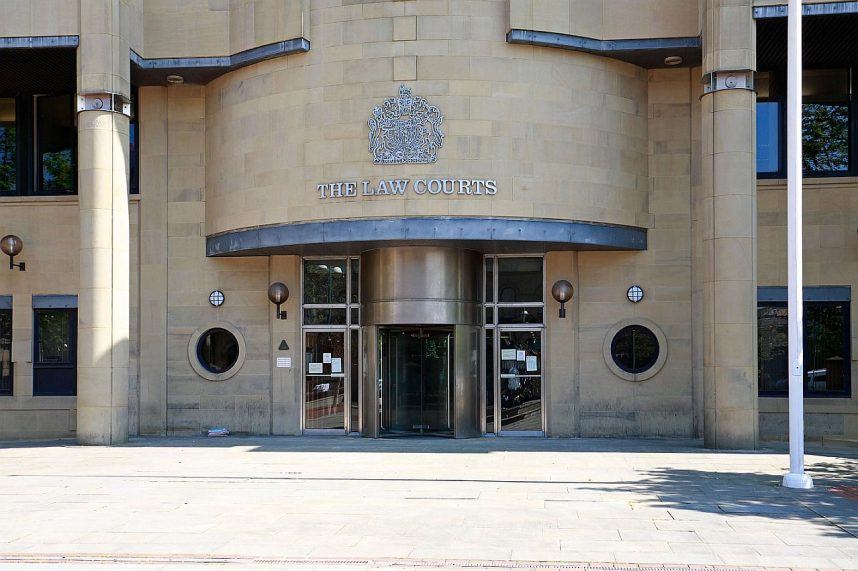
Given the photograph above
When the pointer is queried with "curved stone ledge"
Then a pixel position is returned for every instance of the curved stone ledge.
(490, 235)
(647, 52)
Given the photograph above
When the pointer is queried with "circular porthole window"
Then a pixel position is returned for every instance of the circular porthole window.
(635, 350)
(216, 352)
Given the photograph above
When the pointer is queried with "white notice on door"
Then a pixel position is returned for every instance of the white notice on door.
(326, 357)
(507, 354)
(520, 355)
(314, 368)
(336, 365)
(531, 363)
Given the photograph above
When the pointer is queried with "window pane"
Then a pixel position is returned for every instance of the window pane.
(355, 277)
(772, 348)
(324, 387)
(55, 138)
(325, 281)
(354, 381)
(768, 137)
(635, 349)
(826, 348)
(6, 352)
(490, 381)
(53, 344)
(490, 280)
(519, 280)
(520, 353)
(510, 315)
(825, 85)
(316, 316)
(217, 350)
(8, 147)
(133, 158)
(827, 356)
(825, 134)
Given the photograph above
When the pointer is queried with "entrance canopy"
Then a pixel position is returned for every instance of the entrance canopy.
(490, 235)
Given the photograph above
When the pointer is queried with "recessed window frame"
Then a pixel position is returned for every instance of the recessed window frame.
(28, 177)
(43, 385)
(776, 296)
(777, 90)
(608, 345)
(6, 381)
(194, 356)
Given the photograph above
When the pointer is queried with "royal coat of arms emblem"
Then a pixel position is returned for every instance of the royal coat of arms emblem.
(405, 129)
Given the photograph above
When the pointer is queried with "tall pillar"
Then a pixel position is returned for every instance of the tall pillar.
(103, 299)
(729, 222)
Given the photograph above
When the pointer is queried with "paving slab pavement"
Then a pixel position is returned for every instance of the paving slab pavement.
(493, 503)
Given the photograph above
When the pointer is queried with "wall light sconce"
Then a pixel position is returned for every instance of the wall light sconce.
(11, 245)
(562, 291)
(278, 293)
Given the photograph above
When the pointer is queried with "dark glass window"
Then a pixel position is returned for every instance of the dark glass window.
(519, 280)
(324, 316)
(55, 352)
(55, 144)
(324, 281)
(5, 351)
(8, 147)
(826, 122)
(490, 384)
(827, 355)
(510, 315)
(355, 280)
(217, 350)
(635, 349)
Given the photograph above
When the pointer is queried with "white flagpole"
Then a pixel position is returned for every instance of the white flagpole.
(796, 477)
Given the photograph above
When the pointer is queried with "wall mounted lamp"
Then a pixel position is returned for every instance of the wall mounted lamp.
(11, 245)
(278, 293)
(562, 291)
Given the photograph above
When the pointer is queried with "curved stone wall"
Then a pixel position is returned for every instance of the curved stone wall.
(562, 135)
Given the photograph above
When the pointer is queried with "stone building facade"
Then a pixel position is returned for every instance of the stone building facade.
(419, 174)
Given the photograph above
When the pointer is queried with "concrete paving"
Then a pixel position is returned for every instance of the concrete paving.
(337, 502)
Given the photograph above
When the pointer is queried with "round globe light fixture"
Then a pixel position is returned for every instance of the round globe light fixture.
(562, 292)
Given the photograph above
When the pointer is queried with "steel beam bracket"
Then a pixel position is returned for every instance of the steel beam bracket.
(727, 80)
(115, 102)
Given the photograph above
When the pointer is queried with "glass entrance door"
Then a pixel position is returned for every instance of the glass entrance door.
(416, 384)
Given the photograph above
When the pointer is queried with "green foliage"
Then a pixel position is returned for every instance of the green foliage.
(8, 159)
(825, 134)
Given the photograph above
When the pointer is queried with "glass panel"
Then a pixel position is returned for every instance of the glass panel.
(354, 381)
(324, 380)
(217, 350)
(519, 280)
(416, 382)
(768, 137)
(133, 158)
(510, 315)
(323, 316)
(355, 316)
(53, 343)
(355, 280)
(827, 356)
(324, 281)
(490, 280)
(6, 352)
(635, 349)
(520, 383)
(8, 147)
(826, 348)
(490, 381)
(490, 315)
(772, 348)
(825, 85)
(825, 135)
(55, 139)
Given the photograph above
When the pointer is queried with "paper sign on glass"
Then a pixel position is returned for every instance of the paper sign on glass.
(314, 368)
(531, 363)
(336, 365)
(520, 355)
(507, 354)
(326, 357)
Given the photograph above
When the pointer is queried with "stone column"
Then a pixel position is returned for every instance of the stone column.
(729, 221)
(103, 299)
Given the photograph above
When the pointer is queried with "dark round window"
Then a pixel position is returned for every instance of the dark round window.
(634, 349)
(217, 350)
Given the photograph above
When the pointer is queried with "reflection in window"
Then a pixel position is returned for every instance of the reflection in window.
(827, 355)
(8, 147)
(521, 380)
(55, 141)
(5, 352)
(217, 350)
(635, 349)
(324, 281)
(324, 381)
(825, 136)
(54, 352)
(768, 136)
(519, 280)
(52, 344)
